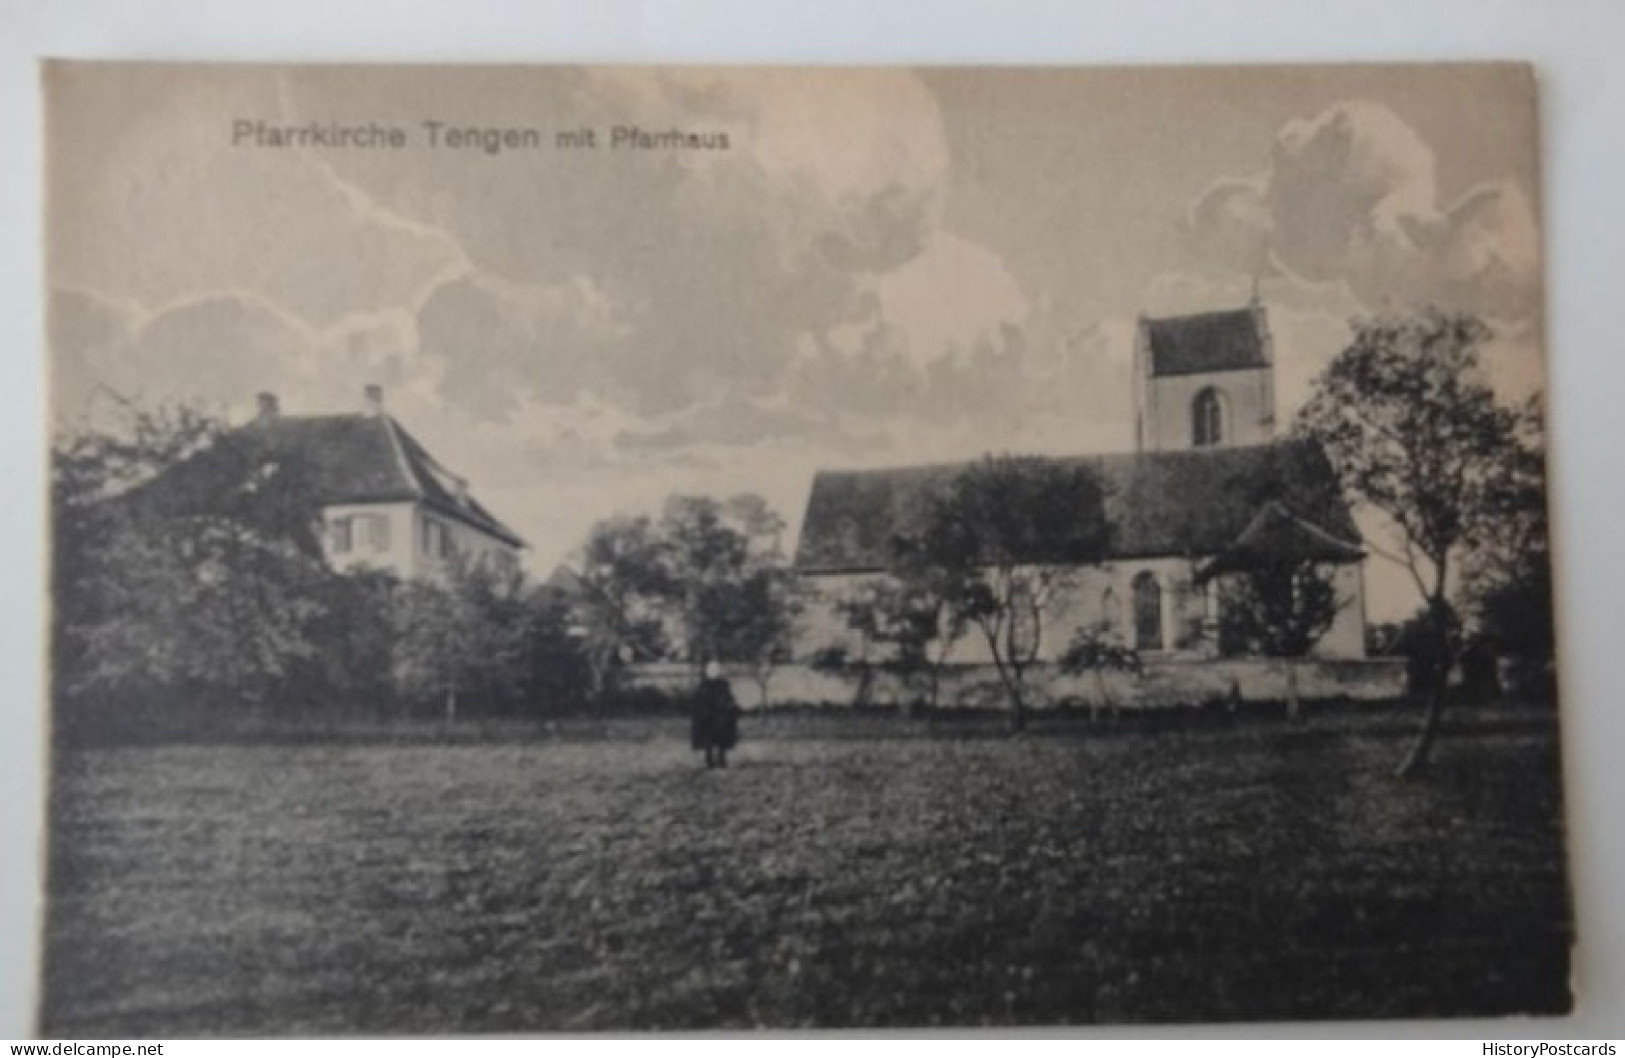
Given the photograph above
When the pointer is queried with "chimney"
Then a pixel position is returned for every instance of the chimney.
(375, 399)
(462, 490)
(268, 406)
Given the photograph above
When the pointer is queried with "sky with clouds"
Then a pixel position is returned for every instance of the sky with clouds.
(885, 267)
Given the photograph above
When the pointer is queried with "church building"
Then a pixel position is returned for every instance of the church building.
(1208, 483)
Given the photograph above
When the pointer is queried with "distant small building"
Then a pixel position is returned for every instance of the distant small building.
(1208, 485)
(386, 503)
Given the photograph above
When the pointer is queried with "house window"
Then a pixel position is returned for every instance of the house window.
(375, 531)
(1207, 418)
(1147, 611)
(343, 535)
(436, 539)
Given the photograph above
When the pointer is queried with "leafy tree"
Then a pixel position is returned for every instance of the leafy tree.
(760, 631)
(465, 639)
(1413, 431)
(1507, 569)
(186, 559)
(1010, 533)
(355, 636)
(710, 551)
(1280, 609)
(560, 673)
(619, 601)
(708, 574)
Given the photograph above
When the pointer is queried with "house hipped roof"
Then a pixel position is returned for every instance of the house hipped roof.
(364, 458)
(1184, 503)
(1210, 341)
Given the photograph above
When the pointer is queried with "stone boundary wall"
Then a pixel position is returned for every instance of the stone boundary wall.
(1161, 684)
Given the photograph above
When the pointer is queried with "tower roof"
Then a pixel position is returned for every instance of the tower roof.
(1210, 341)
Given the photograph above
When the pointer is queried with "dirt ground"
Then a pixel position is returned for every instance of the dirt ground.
(908, 877)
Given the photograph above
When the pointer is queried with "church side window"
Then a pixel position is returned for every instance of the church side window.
(1147, 611)
(1207, 418)
(1109, 617)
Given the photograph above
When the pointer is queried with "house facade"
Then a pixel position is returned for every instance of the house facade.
(1207, 483)
(386, 502)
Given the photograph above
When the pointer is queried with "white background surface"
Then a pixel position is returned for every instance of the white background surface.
(1578, 47)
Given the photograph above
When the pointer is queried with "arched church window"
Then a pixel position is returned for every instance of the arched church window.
(1147, 611)
(1207, 418)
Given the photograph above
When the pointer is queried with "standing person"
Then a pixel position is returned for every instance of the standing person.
(714, 727)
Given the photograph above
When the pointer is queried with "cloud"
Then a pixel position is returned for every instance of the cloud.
(164, 208)
(669, 284)
(225, 346)
(581, 332)
(1351, 197)
(953, 296)
(731, 420)
(494, 342)
(713, 264)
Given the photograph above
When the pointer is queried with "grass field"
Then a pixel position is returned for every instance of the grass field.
(599, 879)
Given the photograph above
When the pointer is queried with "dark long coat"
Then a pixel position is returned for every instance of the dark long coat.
(715, 722)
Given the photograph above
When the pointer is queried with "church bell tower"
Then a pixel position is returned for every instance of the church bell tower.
(1204, 381)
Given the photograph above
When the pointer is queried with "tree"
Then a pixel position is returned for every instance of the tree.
(1099, 650)
(1415, 433)
(708, 574)
(186, 559)
(465, 638)
(617, 604)
(1009, 533)
(1280, 609)
(1507, 569)
(760, 632)
(910, 621)
(560, 673)
(355, 635)
(710, 552)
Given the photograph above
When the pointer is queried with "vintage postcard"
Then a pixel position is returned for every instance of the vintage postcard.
(561, 549)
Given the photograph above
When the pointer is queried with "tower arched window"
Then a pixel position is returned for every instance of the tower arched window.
(1207, 418)
(1147, 611)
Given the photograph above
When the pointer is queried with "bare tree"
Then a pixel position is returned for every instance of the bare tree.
(1099, 650)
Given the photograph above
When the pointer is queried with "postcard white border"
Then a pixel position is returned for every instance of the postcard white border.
(1575, 45)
